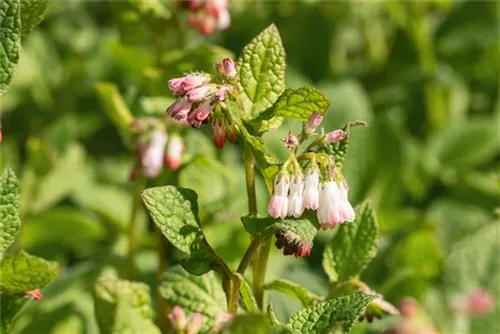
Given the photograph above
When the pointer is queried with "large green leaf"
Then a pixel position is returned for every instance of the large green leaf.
(293, 290)
(261, 71)
(10, 35)
(123, 306)
(9, 210)
(32, 12)
(323, 317)
(175, 212)
(22, 272)
(194, 293)
(354, 245)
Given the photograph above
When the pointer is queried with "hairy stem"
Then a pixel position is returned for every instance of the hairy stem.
(132, 227)
(250, 180)
(245, 261)
(260, 272)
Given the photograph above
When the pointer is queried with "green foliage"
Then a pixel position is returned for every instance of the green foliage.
(261, 71)
(293, 290)
(304, 228)
(123, 306)
(194, 293)
(22, 272)
(324, 317)
(241, 324)
(32, 12)
(10, 222)
(353, 246)
(10, 38)
(247, 296)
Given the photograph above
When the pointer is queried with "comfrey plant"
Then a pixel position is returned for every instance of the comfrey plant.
(308, 192)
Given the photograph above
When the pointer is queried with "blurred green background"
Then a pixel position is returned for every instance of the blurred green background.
(423, 74)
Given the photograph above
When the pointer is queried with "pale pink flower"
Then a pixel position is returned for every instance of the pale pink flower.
(194, 324)
(197, 94)
(329, 199)
(314, 121)
(295, 207)
(311, 191)
(179, 109)
(175, 85)
(198, 115)
(220, 94)
(229, 67)
(193, 81)
(278, 204)
(152, 157)
(177, 317)
(290, 141)
(335, 136)
(346, 210)
(480, 302)
(174, 150)
(224, 19)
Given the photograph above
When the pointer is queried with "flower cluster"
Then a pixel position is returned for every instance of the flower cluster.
(155, 148)
(209, 16)
(199, 99)
(181, 324)
(321, 188)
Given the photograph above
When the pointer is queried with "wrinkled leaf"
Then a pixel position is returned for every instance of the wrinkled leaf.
(10, 221)
(10, 35)
(247, 296)
(32, 12)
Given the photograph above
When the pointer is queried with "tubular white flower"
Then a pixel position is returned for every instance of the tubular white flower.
(278, 204)
(295, 207)
(346, 210)
(329, 214)
(311, 191)
(152, 159)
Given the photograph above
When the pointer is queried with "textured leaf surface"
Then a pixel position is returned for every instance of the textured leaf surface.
(293, 290)
(303, 228)
(247, 296)
(9, 210)
(354, 245)
(261, 71)
(298, 103)
(32, 12)
(10, 35)
(194, 293)
(175, 212)
(323, 317)
(123, 306)
(22, 272)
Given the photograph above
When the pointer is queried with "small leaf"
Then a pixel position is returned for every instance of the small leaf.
(10, 36)
(200, 262)
(261, 71)
(248, 323)
(293, 290)
(22, 272)
(123, 306)
(323, 317)
(9, 211)
(298, 103)
(271, 316)
(339, 149)
(247, 295)
(114, 105)
(32, 12)
(353, 247)
(175, 212)
(194, 293)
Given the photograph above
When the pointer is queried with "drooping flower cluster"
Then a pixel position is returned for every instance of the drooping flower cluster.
(199, 99)
(155, 148)
(209, 16)
(321, 189)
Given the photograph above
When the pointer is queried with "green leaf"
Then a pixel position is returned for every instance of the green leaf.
(293, 290)
(10, 36)
(123, 306)
(242, 323)
(247, 295)
(11, 306)
(353, 247)
(339, 149)
(194, 293)
(298, 103)
(10, 222)
(175, 212)
(200, 261)
(271, 316)
(114, 105)
(323, 317)
(22, 272)
(261, 71)
(32, 12)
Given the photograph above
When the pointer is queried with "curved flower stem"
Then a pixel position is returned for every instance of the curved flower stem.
(260, 272)
(250, 179)
(132, 228)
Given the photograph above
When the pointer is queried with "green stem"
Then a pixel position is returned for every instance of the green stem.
(260, 272)
(132, 227)
(161, 304)
(245, 261)
(250, 179)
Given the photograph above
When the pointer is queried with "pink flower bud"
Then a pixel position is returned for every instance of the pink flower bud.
(179, 109)
(219, 134)
(198, 115)
(311, 190)
(278, 204)
(213, 7)
(177, 317)
(314, 121)
(290, 141)
(197, 94)
(229, 67)
(335, 136)
(152, 157)
(220, 94)
(194, 324)
(193, 81)
(35, 294)
(174, 150)
(175, 85)
(480, 302)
